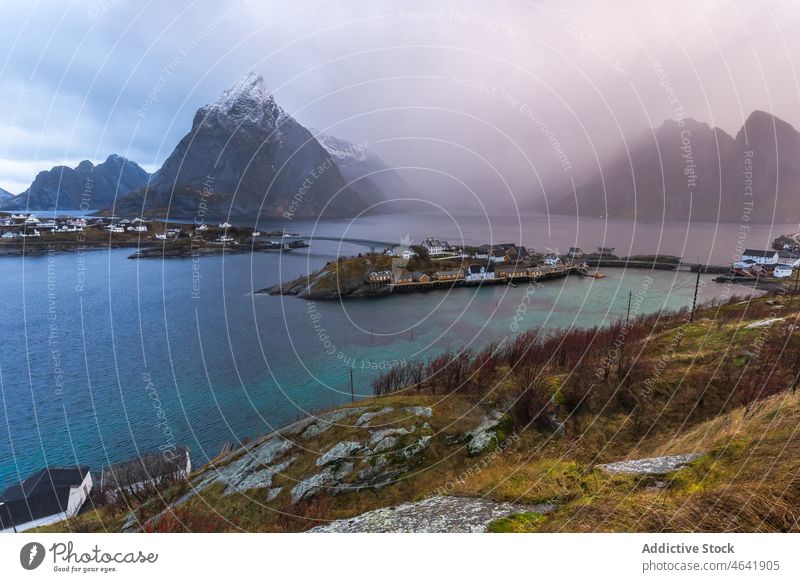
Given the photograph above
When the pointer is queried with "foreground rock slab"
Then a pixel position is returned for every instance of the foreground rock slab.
(651, 466)
(433, 515)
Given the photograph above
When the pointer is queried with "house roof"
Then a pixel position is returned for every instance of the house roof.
(143, 468)
(755, 253)
(39, 495)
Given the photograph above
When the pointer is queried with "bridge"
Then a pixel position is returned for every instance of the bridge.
(363, 242)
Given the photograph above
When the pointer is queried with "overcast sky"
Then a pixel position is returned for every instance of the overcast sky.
(484, 98)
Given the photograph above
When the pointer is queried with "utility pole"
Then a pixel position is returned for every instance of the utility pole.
(628, 317)
(352, 393)
(694, 301)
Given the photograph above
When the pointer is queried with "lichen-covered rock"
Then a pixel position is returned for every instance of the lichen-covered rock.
(367, 417)
(259, 479)
(480, 442)
(339, 451)
(385, 444)
(416, 447)
(650, 466)
(325, 421)
(433, 515)
(484, 434)
(328, 477)
(380, 435)
(423, 411)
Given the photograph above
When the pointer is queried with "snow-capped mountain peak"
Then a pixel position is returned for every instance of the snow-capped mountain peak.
(340, 149)
(247, 100)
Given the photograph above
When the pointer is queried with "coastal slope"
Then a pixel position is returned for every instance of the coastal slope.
(688, 426)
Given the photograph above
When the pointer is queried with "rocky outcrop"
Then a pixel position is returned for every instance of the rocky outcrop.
(651, 466)
(346, 278)
(433, 515)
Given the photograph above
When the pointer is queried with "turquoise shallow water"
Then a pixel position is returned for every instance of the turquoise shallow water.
(103, 357)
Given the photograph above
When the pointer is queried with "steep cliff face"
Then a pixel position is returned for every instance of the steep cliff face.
(693, 171)
(85, 186)
(245, 155)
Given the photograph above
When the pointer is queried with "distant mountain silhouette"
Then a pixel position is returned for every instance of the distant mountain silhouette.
(85, 186)
(693, 171)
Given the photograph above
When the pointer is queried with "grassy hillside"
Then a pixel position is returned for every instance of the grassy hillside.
(531, 419)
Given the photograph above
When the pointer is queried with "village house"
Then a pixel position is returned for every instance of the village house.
(509, 272)
(436, 247)
(50, 495)
(478, 273)
(448, 275)
(402, 278)
(782, 271)
(379, 277)
(789, 258)
(760, 257)
(498, 256)
(148, 472)
(420, 277)
(552, 260)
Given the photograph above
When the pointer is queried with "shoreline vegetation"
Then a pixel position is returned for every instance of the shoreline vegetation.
(708, 403)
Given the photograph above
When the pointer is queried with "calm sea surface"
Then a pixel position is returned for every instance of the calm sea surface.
(103, 357)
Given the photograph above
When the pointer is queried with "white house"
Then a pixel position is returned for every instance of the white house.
(224, 225)
(48, 496)
(436, 247)
(478, 273)
(782, 271)
(552, 260)
(225, 238)
(760, 257)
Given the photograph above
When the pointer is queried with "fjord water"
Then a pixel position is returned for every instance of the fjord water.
(104, 357)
